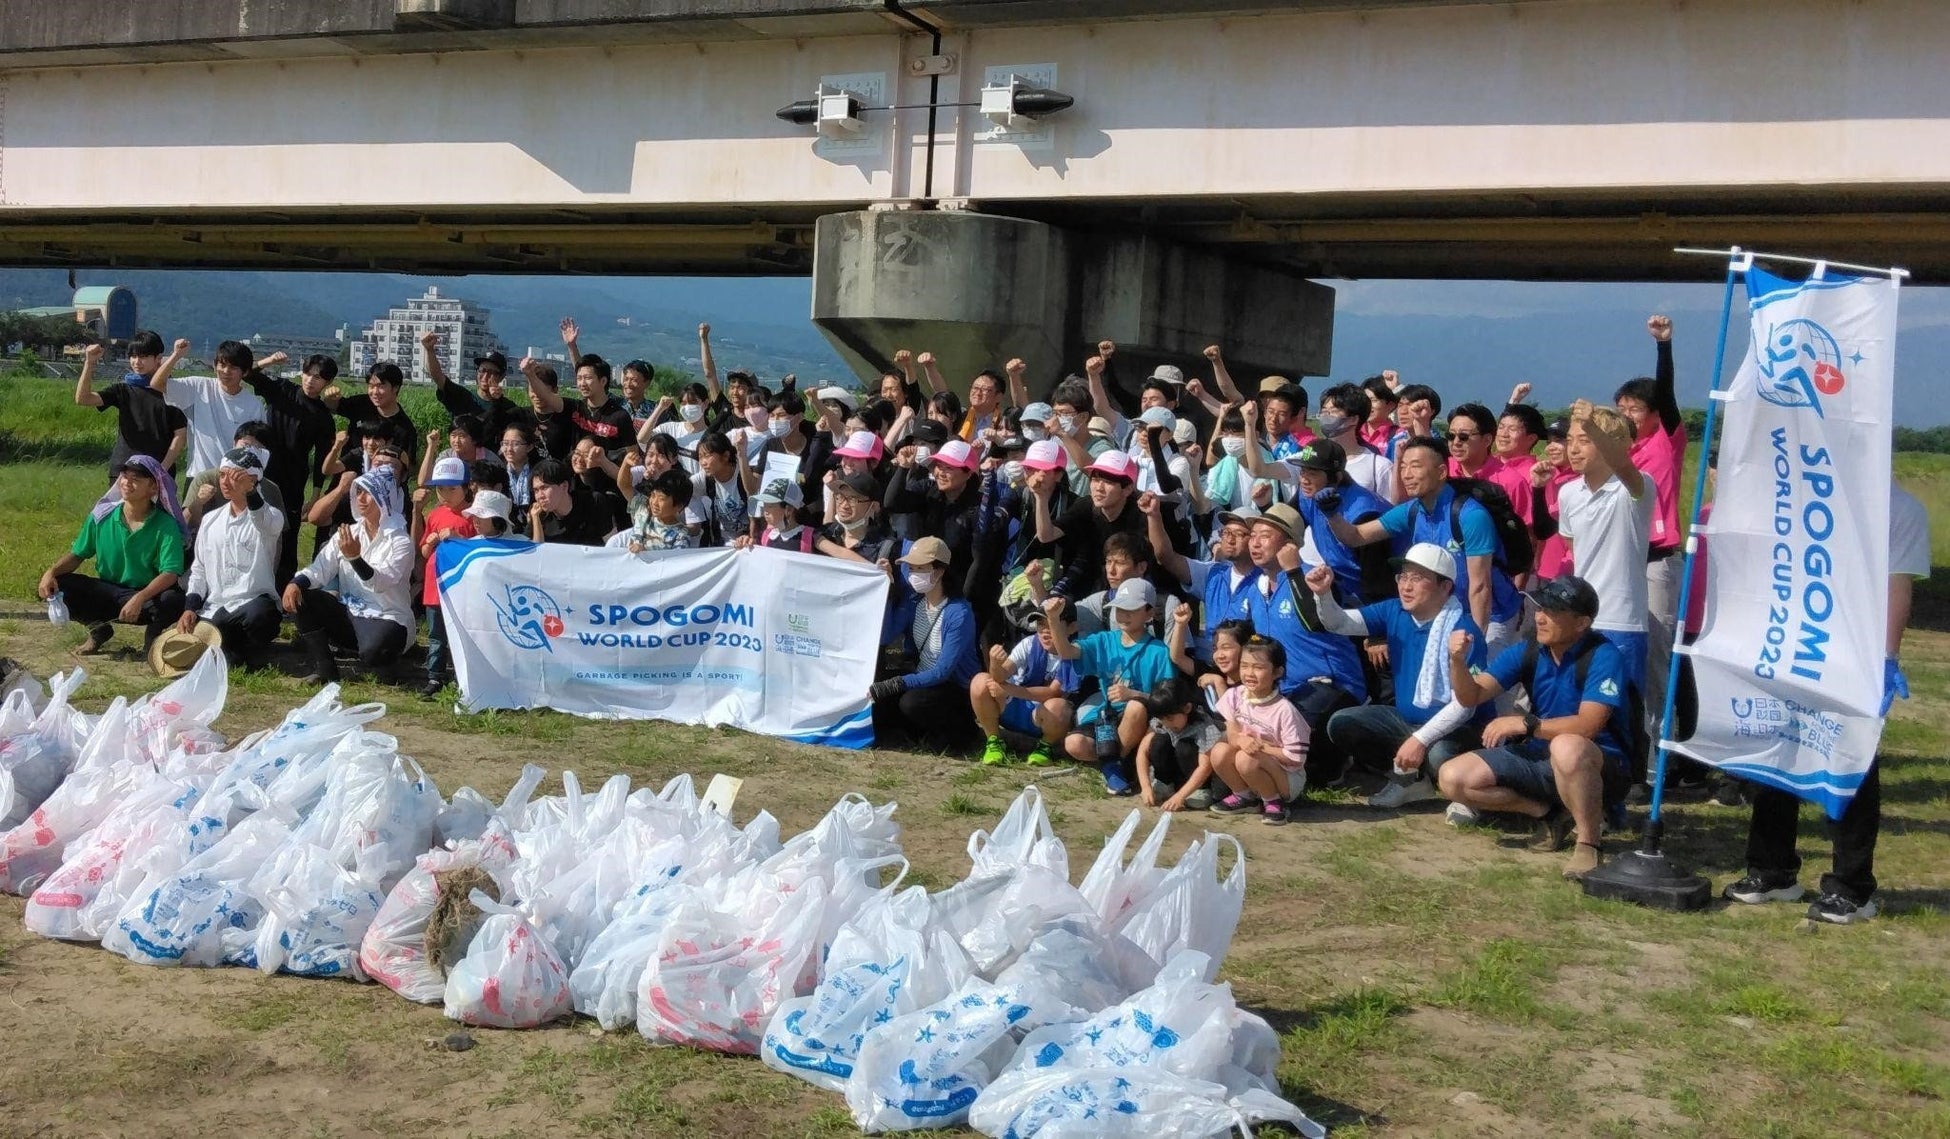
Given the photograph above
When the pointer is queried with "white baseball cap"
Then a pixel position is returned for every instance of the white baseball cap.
(450, 471)
(1428, 556)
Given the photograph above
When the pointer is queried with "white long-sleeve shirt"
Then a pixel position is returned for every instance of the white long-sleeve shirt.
(236, 556)
(388, 593)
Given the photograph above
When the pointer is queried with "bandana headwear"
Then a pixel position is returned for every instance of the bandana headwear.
(165, 492)
(384, 489)
(250, 460)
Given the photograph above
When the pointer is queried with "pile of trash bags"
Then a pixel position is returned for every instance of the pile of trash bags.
(1013, 1001)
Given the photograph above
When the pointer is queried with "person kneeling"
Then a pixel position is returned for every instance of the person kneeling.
(1265, 749)
(1024, 691)
(1560, 763)
(369, 563)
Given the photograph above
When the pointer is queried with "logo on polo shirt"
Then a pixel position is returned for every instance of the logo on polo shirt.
(1608, 687)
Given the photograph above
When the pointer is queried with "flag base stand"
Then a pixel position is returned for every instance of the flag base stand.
(1646, 877)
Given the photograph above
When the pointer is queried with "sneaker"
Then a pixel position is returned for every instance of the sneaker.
(1273, 812)
(1116, 783)
(1552, 832)
(1401, 794)
(1235, 803)
(1039, 755)
(1199, 800)
(1461, 815)
(1760, 887)
(1839, 910)
(995, 751)
(1584, 859)
(431, 689)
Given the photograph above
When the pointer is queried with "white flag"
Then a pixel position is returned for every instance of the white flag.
(1789, 661)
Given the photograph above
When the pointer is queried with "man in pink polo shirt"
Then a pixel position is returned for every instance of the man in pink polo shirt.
(1658, 450)
(1472, 433)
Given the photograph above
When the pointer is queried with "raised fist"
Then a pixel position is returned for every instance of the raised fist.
(1015, 367)
(1459, 642)
(903, 358)
(1320, 579)
(1660, 326)
(93, 353)
(1147, 503)
(925, 359)
(429, 339)
(1106, 349)
(703, 331)
(1520, 393)
(1212, 353)
(182, 348)
(1094, 366)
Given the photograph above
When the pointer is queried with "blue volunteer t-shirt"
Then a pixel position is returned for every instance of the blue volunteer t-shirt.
(1410, 523)
(1307, 654)
(1406, 642)
(1140, 666)
(1557, 693)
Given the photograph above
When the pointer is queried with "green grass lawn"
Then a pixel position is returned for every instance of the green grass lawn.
(1424, 980)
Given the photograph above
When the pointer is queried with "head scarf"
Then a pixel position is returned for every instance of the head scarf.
(165, 491)
(384, 489)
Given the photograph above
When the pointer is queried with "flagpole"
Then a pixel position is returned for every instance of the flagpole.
(1738, 263)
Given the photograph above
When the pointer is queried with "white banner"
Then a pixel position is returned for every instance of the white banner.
(770, 641)
(1789, 662)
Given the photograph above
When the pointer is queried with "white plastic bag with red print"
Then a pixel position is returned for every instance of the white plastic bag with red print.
(511, 976)
(393, 951)
(32, 850)
(187, 705)
(720, 973)
(33, 763)
(108, 858)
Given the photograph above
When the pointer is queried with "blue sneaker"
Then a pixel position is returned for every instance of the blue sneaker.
(1115, 781)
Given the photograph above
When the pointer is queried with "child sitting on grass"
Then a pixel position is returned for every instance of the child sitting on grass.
(1264, 753)
(1129, 660)
(1174, 762)
(1025, 691)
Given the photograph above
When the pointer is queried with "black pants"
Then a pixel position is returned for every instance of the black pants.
(95, 602)
(248, 630)
(1317, 701)
(1777, 819)
(376, 640)
(1371, 735)
(1172, 761)
(293, 491)
(938, 718)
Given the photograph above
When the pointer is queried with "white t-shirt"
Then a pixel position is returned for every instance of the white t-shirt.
(1372, 471)
(686, 437)
(1909, 534)
(1609, 531)
(729, 499)
(214, 415)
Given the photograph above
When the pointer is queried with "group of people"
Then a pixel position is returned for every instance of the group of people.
(1216, 598)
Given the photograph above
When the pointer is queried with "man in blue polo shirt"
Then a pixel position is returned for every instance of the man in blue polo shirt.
(1222, 586)
(1426, 726)
(1323, 672)
(1559, 763)
(1428, 513)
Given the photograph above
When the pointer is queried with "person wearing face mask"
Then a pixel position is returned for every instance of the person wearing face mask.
(301, 433)
(1038, 422)
(357, 594)
(944, 494)
(693, 402)
(1073, 408)
(1235, 453)
(931, 633)
(1343, 408)
(856, 532)
(792, 435)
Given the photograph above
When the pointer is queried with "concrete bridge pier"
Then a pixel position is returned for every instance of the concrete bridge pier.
(977, 289)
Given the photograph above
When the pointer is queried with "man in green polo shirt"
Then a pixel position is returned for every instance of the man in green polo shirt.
(137, 546)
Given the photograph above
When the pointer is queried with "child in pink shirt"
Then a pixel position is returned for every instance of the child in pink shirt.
(1265, 749)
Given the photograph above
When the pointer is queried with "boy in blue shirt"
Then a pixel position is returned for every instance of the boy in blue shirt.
(1562, 761)
(1026, 690)
(1129, 661)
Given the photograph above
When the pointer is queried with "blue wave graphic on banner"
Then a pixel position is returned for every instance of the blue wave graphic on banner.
(856, 732)
(451, 559)
(1828, 790)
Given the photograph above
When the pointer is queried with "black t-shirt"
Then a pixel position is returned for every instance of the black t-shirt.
(144, 422)
(301, 428)
(609, 499)
(609, 425)
(363, 419)
(587, 524)
(877, 542)
(497, 415)
(1084, 532)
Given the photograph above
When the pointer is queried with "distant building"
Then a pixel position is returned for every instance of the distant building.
(107, 310)
(298, 348)
(462, 325)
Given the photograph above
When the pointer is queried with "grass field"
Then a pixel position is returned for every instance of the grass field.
(1425, 980)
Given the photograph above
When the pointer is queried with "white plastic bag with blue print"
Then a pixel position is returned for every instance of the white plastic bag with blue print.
(287, 765)
(890, 960)
(186, 918)
(107, 858)
(1192, 907)
(377, 809)
(1099, 1076)
(926, 1068)
(315, 912)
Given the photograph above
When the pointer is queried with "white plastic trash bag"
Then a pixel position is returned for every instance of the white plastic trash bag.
(315, 912)
(1191, 906)
(1023, 837)
(511, 976)
(1111, 884)
(393, 951)
(33, 849)
(926, 1068)
(186, 918)
(33, 763)
(890, 960)
(1114, 1103)
(100, 860)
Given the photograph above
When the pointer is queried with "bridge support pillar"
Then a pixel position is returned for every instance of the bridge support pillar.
(977, 289)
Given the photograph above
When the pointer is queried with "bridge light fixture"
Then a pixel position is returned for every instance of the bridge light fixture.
(1016, 102)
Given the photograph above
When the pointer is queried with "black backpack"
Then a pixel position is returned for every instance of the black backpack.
(1638, 746)
(1518, 555)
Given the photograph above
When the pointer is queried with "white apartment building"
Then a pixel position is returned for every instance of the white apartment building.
(462, 325)
(297, 347)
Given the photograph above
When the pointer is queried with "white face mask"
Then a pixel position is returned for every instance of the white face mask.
(692, 412)
(1013, 472)
(1066, 424)
(855, 526)
(1035, 434)
(780, 428)
(922, 451)
(1235, 445)
(922, 581)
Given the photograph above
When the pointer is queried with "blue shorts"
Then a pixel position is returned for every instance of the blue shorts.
(1019, 715)
(1525, 767)
(1631, 650)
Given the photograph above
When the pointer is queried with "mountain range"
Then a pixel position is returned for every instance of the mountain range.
(1472, 340)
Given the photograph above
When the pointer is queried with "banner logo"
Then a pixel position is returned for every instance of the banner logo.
(1799, 364)
(528, 617)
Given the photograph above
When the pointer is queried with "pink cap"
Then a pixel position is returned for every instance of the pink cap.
(1117, 465)
(955, 453)
(1045, 455)
(860, 445)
